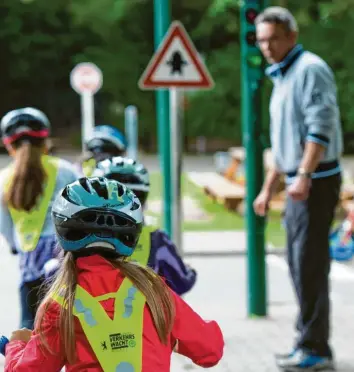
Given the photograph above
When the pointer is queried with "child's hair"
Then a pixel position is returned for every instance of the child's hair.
(29, 175)
(158, 298)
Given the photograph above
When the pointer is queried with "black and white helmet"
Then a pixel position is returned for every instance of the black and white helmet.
(127, 171)
(26, 123)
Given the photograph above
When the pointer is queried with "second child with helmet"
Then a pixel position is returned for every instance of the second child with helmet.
(104, 312)
(28, 187)
(106, 141)
(154, 248)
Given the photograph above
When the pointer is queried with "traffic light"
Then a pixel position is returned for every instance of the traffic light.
(251, 38)
(251, 76)
(249, 13)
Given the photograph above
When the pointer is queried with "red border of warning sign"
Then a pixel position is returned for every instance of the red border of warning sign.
(176, 30)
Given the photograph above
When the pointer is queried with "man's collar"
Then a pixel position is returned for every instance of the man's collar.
(279, 69)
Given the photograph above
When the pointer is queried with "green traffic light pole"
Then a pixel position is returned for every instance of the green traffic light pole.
(162, 22)
(251, 76)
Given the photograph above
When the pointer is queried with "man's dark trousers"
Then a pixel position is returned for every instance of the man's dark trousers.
(308, 225)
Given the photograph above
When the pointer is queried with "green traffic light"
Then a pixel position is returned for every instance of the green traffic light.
(254, 61)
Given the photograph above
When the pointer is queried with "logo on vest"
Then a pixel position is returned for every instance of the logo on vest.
(28, 237)
(122, 340)
(139, 247)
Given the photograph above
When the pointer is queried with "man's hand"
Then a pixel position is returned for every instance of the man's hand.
(261, 204)
(300, 188)
(22, 334)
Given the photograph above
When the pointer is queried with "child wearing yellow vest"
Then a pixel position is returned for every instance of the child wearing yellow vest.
(27, 188)
(104, 313)
(106, 141)
(155, 248)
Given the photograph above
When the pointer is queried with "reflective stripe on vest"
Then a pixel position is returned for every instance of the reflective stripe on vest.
(117, 343)
(29, 225)
(141, 252)
(88, 166)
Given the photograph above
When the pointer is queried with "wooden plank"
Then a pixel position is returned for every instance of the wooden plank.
(202, 179)
(224, 191)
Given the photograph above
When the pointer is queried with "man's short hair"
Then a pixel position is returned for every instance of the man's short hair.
(279, 16)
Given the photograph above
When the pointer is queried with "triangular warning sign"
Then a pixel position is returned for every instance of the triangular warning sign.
(176, 63)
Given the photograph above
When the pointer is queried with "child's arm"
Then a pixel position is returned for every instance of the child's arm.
(32, 356)
(179, 276)
(6, 225)
(201, 341)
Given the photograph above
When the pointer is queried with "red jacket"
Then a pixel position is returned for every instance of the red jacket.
(199, 340)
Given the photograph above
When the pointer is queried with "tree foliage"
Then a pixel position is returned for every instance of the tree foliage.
(42, 40)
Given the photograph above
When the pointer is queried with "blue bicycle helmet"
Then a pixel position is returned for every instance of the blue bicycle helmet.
(127, 171)
(97, 214)
(341, 244)
(107, 139)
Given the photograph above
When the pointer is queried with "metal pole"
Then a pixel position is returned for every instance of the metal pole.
(252, 75)
(87, 117)
(131, 131)
(161, 24)
(176, 166)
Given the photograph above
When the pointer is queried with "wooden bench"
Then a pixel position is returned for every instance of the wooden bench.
(238, 156)
(224, 192)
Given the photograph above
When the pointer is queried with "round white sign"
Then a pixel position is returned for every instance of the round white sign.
(86, 78)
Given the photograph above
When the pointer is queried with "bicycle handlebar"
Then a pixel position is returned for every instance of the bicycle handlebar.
(3, 342)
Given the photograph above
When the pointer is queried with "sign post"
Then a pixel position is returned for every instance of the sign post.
(162, 20)
(86, 79)
(252, 75)
(131, 131)
(176, 65)
(176, 165)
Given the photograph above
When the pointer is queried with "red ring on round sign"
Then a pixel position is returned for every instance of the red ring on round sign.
(86, 78)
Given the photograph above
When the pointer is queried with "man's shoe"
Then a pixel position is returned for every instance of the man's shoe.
(303, 361)
(285, 355)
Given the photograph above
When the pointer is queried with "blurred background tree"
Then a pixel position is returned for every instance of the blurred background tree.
(42, 40)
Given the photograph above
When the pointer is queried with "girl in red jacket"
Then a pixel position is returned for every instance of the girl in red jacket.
(103, 313)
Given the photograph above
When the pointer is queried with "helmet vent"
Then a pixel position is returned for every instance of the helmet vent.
(135, 206)
(120, 221)
(83, 183)
(65, 195)
(101, 220)
(110, 220)
(100, 188)
(89, 217)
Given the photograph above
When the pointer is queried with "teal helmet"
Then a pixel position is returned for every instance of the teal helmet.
(128, 172)
(97, 214)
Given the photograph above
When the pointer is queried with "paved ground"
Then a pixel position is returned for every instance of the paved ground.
(221, 293)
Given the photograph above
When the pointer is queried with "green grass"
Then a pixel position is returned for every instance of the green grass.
(220, 217)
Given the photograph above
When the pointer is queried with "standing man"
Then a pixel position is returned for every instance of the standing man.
(306, 142)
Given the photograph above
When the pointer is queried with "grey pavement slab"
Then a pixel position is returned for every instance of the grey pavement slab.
(221, 294)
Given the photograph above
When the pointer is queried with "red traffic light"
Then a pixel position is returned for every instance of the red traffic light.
(251, 15)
